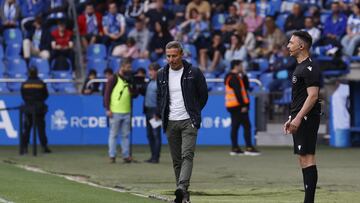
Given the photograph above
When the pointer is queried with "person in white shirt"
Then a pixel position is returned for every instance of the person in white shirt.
(314, 32)
(352, 37)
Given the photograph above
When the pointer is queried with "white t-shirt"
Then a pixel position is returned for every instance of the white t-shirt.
(177, 106)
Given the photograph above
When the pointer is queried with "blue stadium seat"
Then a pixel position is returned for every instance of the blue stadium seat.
(114, 63)
(16, 68)
(96, 51)
(63, 87)
(12, 36)
(1, 52)
(190, 51)
(3, 87)
(285, 99)
(97, 64)
(13, 51)
(140, 63)
(162, 61)
(280, 20)
(218, 20)
(266, 79)
(42, 65)
(192, 61)
(263, 64)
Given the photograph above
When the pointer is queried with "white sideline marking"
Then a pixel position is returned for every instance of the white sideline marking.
(4, 201)
(83, 181)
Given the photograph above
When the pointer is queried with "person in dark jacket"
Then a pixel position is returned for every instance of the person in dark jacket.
(237, 102)
(182, 94)
(94, 87)
(34, 93)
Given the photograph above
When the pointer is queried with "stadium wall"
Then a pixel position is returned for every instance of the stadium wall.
(81, 120)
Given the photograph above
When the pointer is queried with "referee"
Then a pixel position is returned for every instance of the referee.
(304, 120)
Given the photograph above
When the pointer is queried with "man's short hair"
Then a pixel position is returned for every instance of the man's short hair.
(305, 37)
(154, 66)
(125, 61)
(174, 45)
(33, 72)
(108, 70)
(235, 63)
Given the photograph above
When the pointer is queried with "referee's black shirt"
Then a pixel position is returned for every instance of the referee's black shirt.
(306, 74)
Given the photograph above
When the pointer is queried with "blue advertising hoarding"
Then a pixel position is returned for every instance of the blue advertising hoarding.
(81, 120)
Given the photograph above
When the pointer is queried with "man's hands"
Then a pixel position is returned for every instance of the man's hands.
(291, 126)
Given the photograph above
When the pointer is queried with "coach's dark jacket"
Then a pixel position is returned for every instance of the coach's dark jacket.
(194, 90)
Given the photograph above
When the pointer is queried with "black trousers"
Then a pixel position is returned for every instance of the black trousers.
(153, 135)
(40, 127)
(240, 118)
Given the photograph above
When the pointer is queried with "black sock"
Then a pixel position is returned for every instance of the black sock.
(310, 179)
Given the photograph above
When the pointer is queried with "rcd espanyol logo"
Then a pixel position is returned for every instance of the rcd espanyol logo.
(58, 120)
(294, 79)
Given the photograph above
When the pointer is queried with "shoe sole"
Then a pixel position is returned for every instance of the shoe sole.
(252, 153)
(179, 196)
(236, 154)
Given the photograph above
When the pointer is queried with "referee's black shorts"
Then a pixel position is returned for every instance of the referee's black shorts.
(306, 135)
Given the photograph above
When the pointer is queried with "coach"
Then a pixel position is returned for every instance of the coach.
(182, 94)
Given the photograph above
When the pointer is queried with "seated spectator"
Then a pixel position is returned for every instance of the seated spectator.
(252, 20)
(158, 41)
(178, 9)
(93, 87)
(263, 8)
(271, 39)
(158, 14)
(232, 21)
(215, 55)
(90, 26)
(352, 38)
(134, 11)
(30, 9)
(127, 50)
(37, 42)
(56, 10)
(114, 26)
(282, 68)
(141, 35)
(295, 21)
(314, 32)
(334, 28)
(10, 14)
(203, 8)
(197, 32)
(62, 44)
(242, 7)
(315, 14)
(248, 37)
(237, 50)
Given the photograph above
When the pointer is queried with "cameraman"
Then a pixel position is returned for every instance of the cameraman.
(117, 101)
(34, 94)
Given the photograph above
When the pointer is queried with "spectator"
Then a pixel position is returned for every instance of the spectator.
(196, 29)
(93, 87)
(159, 40)
(158, 14)
(237, 50)
(271, 40)
(90, 26)
(314, 32)
(114, 26)
(242, 7)
(29, 11)
(179, 10)
(151, 112)
(38, 42)
(295, 21)
(215, 55)
(203, 8)
(352, 38)
(134, 11)
(10, 14)
(127, 50)
(335, 27)
(253, 21)
(56, 10)
(315, 14)
(141, 36)
(62, 44)
(232, 21)
(248, 37)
